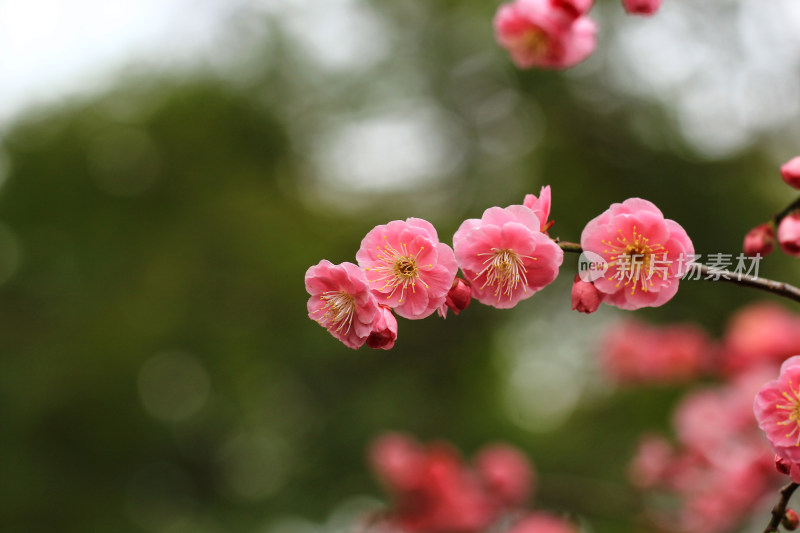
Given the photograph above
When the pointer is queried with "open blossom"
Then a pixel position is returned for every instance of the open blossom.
(545, 33)
(341, 301)
(789, 234)
(540, 206)
(646, 253)
(777, 409)
(758, 335)
(506, 473)
(790, 172)
(407, 267)
(641, 7)
(505, 256)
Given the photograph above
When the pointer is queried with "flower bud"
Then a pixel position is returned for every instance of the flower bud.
(384, 330)
(641, 7)
(458, 298)
(573, 9)
(759, 240)
(790, 172)
(783, 466)
(506, 474)
(790, 520)
(585, 296)
(789, 234)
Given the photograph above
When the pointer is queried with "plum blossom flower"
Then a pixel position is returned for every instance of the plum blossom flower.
(585, 296)
(407, 267)
(789, 234)
(506, 473)
(760, 334)
(505, 256)
(540, 522)
(759, 240)
(341, 301)
(458, 298)
(545, 33)
(384, 330)
(646, 253)
(641, 7)
(790, 172)
(540, 206)
(777, 409)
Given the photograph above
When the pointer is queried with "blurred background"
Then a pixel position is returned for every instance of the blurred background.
(169, 169)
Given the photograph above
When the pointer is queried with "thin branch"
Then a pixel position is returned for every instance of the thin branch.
(715, 274)
(779, 510)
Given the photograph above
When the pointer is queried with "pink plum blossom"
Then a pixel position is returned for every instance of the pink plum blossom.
(758, 335)
(458, 298)
(341, 301)
(505, 256)
(789, 234)
(790, 172)
(540, 206)
(641, 7)
(407, 267)
(646, 253)
(545, 33)
(506, 474)
(759, 240)
(585, 296)
(651, 462)
(384, 330)
(777, 409)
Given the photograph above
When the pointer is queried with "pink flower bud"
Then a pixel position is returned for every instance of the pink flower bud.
(398, 460)
(790, 520)
(641, 7)
(585, 296)
(791, 172)
(459, 296)
(384, 330)
(783, 466)
(506, 473)
(789, 234)
(573, 8)
(759, 240)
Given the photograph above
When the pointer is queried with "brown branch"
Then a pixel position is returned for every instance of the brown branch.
(714, 274)
(779, 510)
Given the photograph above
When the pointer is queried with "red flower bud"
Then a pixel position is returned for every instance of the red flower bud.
(790, 520)
(384, 330)
(585, 296)
(759, 240)
(641, 7)
(789, 234)
(783, 466)
(790, 172)
(459, 297)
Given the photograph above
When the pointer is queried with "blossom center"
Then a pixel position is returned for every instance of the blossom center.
(338, 310)
(637, 260)
(793, 415)
(533, 42)
(397, 269)
(504, 271)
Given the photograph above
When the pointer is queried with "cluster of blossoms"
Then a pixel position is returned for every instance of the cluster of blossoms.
(553, 33)
(433, 491)
(718, 471)
(761, 239)
(506, 256)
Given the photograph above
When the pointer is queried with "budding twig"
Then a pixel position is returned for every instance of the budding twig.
(780, 508)
(706, 273)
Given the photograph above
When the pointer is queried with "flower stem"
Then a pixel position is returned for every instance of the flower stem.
(779, 510)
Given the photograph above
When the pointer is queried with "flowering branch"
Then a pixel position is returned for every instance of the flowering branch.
(705, 272)
(779, 511)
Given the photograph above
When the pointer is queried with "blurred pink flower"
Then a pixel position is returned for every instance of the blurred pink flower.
(585, 296)
(408, 268)
(634, 352)
(542, 33)
(790, 172)
(506, 474)
(759, 240)
(760, 334)
(505, 256)
(540, 522)
(777, 409)
(384, 330)
(789, 234)
(651, 462)
(540, 206)
(341, 301)
(647, 254)
(641, 7)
